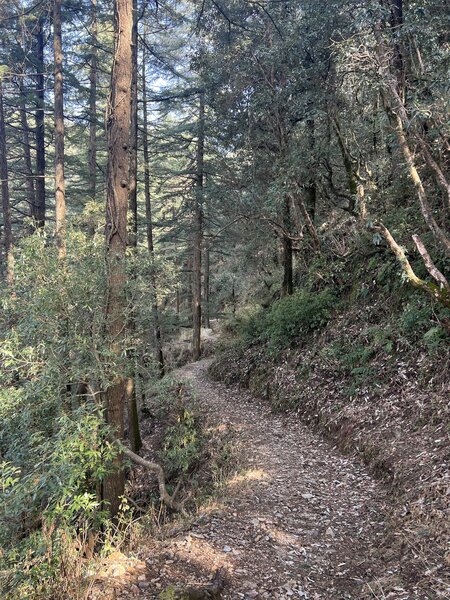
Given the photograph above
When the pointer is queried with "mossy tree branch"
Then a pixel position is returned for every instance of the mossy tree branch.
(440, 292)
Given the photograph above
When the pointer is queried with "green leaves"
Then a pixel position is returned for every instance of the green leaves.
(290, 319)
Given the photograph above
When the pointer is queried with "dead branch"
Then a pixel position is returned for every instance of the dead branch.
(299, 205)
(164, 496)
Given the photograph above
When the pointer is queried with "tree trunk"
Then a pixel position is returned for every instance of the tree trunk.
(60, 194)
(157, 340)
(134, 434)
(92, 151)
(6, 206)
(118, 141)
(206, 284)
(288, 271)
(198, 237)
(398, 61)
(26, 146)
(38, 209)
(400, 123)
(133, 132)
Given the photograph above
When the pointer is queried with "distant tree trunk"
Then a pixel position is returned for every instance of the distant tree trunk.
(26, 146)
(198, 237)
(206, 285)
(311, 193)
(134, 132)
(92, 151)
(400, 123)
(38, 209)
(288, 270)
(134, 433)
(6, 206)
(157, 339)
(60, 193)
(118, 141)
(398, 61)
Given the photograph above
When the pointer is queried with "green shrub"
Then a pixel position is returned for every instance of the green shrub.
(419, 323)
(416, 319)
(296, 316)
(287, 319)
(184, 443)
(435, 339)
(53, 441)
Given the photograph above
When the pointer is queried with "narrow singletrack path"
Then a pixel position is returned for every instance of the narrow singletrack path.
(299, 521)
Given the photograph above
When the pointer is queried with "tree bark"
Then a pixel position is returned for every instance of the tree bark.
(206, 288)
(60, 193)
(134, 433)
(6, 206)
(198, 236)
(92, 151)
(438, 292)
(31, 199)
(39, 208)
(133, 132)
(118, 141)
(157, 339)
(288, 271)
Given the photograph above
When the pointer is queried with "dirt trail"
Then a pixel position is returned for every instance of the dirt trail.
(299, 521)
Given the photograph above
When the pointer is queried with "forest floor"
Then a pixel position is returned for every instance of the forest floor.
(298, 520)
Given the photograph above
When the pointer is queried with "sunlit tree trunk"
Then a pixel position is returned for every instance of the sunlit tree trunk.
(6, 206)
(118, 141)
(60, 192)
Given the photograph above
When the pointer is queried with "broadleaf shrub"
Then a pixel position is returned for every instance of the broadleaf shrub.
(290, 319)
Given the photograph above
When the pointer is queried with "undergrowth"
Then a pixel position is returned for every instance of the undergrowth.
(288, 320)
(191, 451)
